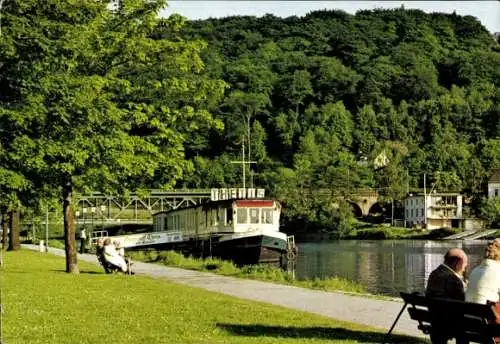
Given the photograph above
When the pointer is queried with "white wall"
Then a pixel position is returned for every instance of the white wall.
(493, 190)
(414, 210)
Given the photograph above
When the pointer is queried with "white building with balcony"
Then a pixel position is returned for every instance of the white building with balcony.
(436, 210)
(494, 184)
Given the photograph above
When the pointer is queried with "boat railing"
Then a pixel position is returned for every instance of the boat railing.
(290, 247)
(96, 235)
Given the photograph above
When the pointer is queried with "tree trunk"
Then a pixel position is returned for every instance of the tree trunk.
(14, 242)
(69, 230)
(5, 227)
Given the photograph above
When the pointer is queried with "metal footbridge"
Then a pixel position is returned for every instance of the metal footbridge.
(97, 208)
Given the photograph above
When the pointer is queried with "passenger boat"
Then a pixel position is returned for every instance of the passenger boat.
(244, 230)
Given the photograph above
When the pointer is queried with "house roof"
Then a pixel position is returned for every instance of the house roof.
(495, 177)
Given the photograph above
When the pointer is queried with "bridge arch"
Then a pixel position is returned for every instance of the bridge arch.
(376, 208)
(365, 200)
(356, 209)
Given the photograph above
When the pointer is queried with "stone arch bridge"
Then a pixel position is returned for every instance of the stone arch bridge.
(365, 199)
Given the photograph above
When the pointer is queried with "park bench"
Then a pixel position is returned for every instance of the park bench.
(455, 319)
(110, 268)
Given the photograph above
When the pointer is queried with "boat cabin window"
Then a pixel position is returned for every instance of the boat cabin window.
(215, 217)
(266, 216)
(254, 215)
(229, 215)
(242, 215)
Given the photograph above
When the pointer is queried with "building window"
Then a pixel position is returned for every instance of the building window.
(407, 213)
(412, 213)
(242, 215)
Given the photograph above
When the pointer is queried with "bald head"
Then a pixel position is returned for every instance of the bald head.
(456, 259)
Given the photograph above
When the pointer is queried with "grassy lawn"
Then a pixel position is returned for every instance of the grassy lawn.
(42, 304)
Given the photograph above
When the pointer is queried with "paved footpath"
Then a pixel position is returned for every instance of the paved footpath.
(356, 309)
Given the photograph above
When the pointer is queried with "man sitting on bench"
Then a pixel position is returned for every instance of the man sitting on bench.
(447, 281)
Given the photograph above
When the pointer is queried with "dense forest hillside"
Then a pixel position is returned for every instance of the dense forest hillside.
(316, 99)
(120, 100)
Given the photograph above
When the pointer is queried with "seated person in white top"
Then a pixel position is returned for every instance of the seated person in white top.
(119, 248)
(484, 279)
(112, 256)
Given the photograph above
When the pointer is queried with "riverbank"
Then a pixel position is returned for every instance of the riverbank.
(256, 272)
(174, 313)
(380, 233)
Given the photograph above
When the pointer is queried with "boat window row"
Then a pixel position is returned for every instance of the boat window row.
(192, 221)
(254, 215)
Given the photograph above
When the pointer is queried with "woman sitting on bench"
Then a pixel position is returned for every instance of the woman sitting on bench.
(112, 256)
(484, 282)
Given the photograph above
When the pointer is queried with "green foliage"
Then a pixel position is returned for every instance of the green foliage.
(56, 243)
(490, 210)
(121, 100)
(342, 88)
(96, 102)
(332, 283)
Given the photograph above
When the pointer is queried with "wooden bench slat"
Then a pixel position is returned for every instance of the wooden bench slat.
(460, 307)
(420, 314)
(415, 299)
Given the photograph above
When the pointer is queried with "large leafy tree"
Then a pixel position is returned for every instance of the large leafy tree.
(101, 102)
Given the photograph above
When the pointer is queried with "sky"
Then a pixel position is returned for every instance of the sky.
(488, 12)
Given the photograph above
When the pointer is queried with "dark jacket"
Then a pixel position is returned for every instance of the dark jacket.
(446, 284)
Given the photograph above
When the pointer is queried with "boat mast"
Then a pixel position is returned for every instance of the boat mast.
(243, 162)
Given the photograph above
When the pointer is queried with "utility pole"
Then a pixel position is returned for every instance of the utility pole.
(392, 212)
(243, 162)
(425, 202)
(407, 181)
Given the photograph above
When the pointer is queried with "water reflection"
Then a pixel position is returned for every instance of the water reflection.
(383, 266)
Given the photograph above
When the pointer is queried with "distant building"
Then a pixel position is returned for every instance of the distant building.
(497, 36)
(381, 160)
(438, 211)
(494, 184)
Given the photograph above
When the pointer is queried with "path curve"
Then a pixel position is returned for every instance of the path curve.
(357, 309)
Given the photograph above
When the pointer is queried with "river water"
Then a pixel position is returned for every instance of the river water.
(383, 266)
